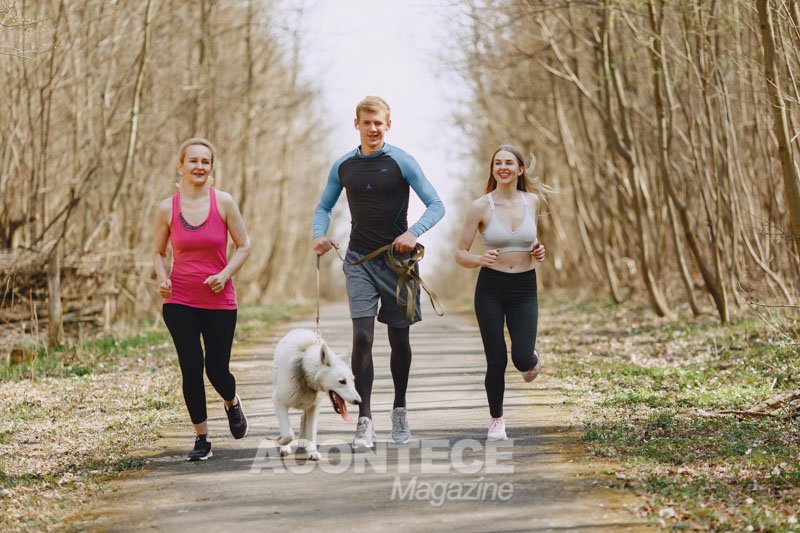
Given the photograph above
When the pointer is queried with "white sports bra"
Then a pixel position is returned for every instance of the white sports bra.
(496, 235)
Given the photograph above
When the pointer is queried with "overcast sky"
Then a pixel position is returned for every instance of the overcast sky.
(392, 49)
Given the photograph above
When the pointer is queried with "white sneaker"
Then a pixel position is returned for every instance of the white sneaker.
(401, 433)
(497, 429)
(365, 433)
(530, 375)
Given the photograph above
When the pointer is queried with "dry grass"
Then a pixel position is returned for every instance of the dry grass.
(670, 401)
(61, 437)
(69, 421)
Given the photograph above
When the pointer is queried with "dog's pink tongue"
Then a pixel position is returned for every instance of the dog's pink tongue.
(342, 405)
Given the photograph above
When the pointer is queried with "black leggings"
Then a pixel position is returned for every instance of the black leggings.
(363, 369)
(511, 298)
(216, 326)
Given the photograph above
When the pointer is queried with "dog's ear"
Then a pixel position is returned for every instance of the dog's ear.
(324, 356)
(346, 355)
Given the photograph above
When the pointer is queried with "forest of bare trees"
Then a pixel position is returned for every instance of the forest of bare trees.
(669, 129)
(97, 96)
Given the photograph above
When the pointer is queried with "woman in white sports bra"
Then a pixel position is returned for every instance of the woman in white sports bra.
(505, 293)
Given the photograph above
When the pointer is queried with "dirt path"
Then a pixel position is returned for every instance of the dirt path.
(447, 477)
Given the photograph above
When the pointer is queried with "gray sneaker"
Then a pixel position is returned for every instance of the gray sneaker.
(400, 430)
(365, 433)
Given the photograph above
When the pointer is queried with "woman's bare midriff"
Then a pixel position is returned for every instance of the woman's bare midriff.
(513, 262)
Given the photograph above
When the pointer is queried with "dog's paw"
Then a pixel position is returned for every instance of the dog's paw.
(313, 455)
(284, 440)
(285, 450)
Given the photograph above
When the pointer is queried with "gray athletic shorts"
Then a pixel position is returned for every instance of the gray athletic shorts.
(372, 281)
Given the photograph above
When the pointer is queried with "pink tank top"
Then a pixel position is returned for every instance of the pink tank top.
(199, 252)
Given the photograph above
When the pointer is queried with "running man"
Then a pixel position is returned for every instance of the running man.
(377, 177)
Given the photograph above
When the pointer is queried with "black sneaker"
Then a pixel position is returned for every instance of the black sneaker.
(202, 449)
(236, 419)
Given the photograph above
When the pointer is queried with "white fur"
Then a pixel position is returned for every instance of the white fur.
(304, 370)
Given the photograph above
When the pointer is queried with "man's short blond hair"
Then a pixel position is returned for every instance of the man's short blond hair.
(373, 104)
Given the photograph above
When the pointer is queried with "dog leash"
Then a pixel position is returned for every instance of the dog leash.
(407, 277)
(318, 331)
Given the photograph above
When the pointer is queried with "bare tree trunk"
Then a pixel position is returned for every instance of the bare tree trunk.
(712, 278)
(661, 77)
(583, 219)
(135, 107)
(55, 320)
(46, 102)
(611, 273)
(283, 237)
(249, 111)
(791, 180)
(624, 145)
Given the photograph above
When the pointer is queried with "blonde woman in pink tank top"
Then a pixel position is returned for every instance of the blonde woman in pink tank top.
(199, 299)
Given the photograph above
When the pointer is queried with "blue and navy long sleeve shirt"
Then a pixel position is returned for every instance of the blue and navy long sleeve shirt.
(377, 188)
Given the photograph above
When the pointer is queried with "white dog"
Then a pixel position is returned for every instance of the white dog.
(304, 370)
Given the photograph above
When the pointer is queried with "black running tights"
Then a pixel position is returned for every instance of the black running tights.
(511, 298)
(363, 370)
(216, 326)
